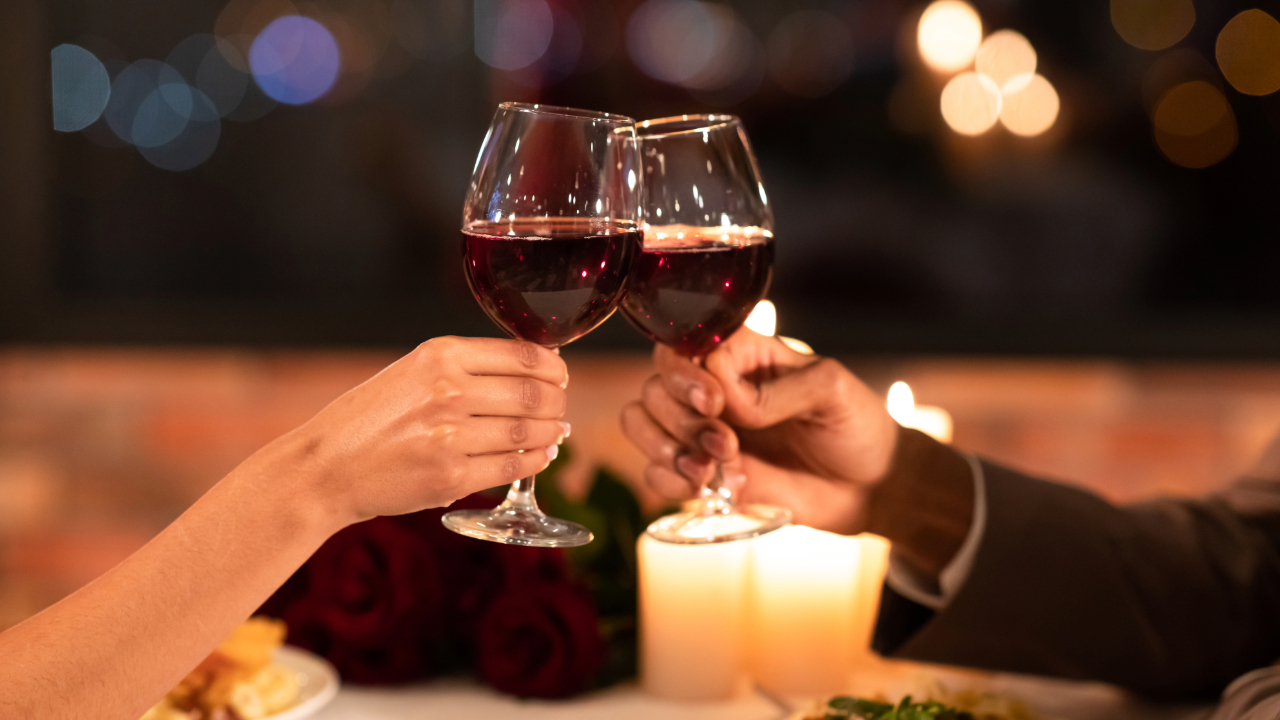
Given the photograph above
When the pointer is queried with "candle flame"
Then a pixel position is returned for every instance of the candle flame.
(764, 318)
(901, 403)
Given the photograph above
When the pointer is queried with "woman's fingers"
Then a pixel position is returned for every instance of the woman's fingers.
(512, 397)
(495, 356)
(692, 430)
(486, 471)
(482, 435)
(662, 449)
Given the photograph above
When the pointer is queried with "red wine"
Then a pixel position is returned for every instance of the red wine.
(549, 280)
(694, 287)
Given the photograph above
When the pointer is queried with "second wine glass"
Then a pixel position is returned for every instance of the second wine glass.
(707, 261)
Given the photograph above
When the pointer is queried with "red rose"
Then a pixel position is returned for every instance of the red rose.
(373, 603)
(540, 639)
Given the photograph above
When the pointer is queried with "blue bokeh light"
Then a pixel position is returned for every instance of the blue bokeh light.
(295, 60)
(81, 88)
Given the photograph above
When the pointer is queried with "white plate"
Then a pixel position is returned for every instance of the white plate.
(317, 682)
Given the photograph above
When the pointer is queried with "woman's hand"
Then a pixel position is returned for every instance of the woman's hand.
(454, 416)
(791, 429)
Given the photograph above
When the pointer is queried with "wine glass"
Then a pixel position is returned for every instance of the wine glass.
(707, 261)
(550, 232)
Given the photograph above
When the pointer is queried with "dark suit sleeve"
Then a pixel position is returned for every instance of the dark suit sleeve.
(1172, 599)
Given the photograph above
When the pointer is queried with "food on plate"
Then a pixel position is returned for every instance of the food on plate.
(236, 682)
(943, 705)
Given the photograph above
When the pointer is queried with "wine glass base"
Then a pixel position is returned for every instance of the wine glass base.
(697, 528)
(512, 526)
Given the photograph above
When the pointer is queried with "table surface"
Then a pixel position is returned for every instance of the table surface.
(461, 699)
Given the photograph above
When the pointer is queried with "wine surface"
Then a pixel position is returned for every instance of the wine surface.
(549, 280)
(694, 287)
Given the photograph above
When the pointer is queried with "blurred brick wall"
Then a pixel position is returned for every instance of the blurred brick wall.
(100, 448)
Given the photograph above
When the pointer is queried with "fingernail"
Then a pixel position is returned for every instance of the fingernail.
(566, 429)
(690, 468)
(565, 383)
(553, 451)
(698, 399)
(714, 443)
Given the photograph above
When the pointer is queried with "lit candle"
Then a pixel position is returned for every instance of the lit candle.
(932, 421)
(804, 614)
(693, 605)
(873, 562)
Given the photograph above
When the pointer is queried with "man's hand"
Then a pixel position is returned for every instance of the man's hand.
(810, 436)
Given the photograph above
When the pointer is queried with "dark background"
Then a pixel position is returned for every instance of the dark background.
(336, 223)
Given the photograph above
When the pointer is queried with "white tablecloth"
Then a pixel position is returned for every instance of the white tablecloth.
(460, 699)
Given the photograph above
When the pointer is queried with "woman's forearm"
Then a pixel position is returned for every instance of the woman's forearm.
(115, 646)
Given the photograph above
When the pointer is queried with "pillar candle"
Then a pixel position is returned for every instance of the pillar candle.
(804, 611)
(693, 603)
(873, 561)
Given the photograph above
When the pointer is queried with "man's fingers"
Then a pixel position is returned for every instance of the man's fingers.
(482, 435)
(669, 485)
(512, 397)
(690, 429)
(758, 403)
(661, 448)
(496, 356)
(688, 382)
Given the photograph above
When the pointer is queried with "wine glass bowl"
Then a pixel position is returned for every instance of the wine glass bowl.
(550, 232)
(707, 260)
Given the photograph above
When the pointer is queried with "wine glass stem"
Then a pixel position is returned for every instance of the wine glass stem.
(520, 496)
(716, 498)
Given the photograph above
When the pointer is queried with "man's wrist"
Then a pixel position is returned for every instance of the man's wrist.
(924, 504)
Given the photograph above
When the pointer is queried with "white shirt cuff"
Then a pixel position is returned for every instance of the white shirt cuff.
(913, 585)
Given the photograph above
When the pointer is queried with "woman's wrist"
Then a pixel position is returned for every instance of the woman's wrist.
(925, 503)
(287, 478)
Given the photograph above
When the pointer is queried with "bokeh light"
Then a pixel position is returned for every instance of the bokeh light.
(1032, 108)
(971, 103)
(194, 144)
(81, 88)
(295, 60)
(676, 40)
(1248, 51)
(1172, 69)
(1194, 125)
(512, 34)
(948, 35)
(202, 59)
(1152, 24)
(1007, 58)
(134, 86)
(810, 53)
(241, 21)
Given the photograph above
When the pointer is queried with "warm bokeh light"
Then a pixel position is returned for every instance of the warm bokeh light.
(702, 46)
(1248, 51)
(1194, 125)
(1191, 108)
(295, 60)
(1007, 58)
(1032, 108)
(1152, 24)
(949, 34)
(81, 88)
(971, 103)
(512, 34)
(901, 403)
(810, 53)
(1172, 69)
(764, 318)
